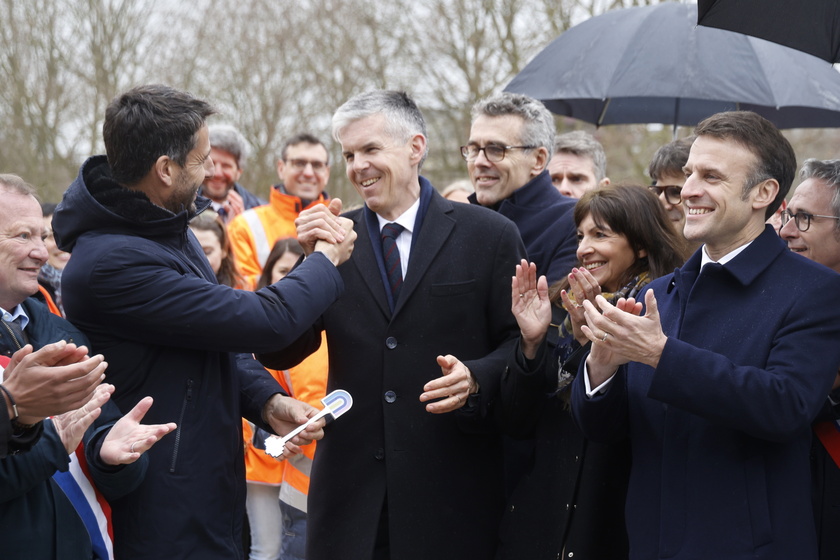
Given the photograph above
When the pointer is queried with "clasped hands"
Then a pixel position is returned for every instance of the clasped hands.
(321, 229)
(621, 334)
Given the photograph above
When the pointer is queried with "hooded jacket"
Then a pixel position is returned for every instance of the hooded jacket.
(138, 285)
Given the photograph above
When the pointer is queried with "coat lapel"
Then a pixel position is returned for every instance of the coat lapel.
(436, 229)
(364, 259)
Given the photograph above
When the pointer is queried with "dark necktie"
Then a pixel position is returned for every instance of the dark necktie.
(393, 268)
(13, 328)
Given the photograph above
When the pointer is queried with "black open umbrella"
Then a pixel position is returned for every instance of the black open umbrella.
(811, 26)
(653, 64)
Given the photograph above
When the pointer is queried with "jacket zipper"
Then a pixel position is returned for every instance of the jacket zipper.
(187, 399)
(12, 335)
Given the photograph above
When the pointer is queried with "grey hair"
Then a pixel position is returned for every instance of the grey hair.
(539, 127)
(583, 144)
(403, 118)
(827, 171)
(226, 137)
(15, 184)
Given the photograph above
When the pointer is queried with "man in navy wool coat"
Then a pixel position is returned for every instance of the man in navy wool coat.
(717, 382)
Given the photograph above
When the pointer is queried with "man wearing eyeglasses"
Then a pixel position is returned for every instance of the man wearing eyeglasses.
(666, 171)
(304, 169)
(811, 227)
(511, 140)
(717, 380)
(811, 224)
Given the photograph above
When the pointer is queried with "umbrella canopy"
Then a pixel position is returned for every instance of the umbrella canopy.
(812, 26)
(654, 65)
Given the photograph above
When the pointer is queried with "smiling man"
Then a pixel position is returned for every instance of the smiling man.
(428, 278)
(811, 227)
(141, 289)
(717, 382)
(304, 169)
(228, 150)
(511, 139)
(811, 224)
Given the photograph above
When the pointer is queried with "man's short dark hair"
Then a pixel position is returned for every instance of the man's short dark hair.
(302, 138)
(147, 122)
(776, 159)
(670, 158)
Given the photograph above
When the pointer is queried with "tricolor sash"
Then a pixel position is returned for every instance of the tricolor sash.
(91, 506)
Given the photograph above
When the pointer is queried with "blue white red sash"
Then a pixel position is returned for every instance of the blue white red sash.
(91, 506)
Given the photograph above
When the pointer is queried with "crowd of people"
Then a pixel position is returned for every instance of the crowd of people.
(543, 363)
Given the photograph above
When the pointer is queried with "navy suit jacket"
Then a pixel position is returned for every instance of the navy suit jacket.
(720, 430)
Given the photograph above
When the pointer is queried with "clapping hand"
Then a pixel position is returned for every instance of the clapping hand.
(530, 306)
(584, 287)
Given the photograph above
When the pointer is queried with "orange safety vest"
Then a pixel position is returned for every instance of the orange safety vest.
(254, 232)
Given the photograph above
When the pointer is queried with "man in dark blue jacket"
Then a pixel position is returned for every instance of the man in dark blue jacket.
(511, 142)
(139, 286)
(41, 513)
(717, 383)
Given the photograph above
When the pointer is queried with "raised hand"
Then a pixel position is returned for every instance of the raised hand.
(530, 306)
(320, 223)
(71, 425)
(584, 287)
(339, 252)
(621, 334)
(57, 378)
(234, 203)
(128, 438)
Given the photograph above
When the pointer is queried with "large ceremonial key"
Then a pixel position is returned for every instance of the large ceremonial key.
(335, 404)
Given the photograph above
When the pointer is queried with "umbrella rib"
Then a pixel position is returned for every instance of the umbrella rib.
(603, 112)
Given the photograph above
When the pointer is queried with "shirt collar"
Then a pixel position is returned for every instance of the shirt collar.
(706, 259)
(406, 219)
(18, 311)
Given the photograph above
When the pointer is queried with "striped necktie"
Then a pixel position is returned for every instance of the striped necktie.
(391, 254)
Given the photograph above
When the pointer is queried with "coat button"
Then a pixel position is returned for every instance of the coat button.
(391, 342)
(380, 454)
(390, 396)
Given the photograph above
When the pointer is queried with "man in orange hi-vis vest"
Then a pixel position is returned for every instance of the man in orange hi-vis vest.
(304, 169)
